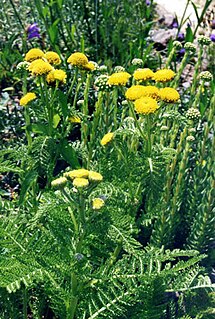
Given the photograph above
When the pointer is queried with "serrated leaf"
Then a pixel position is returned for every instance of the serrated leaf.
(26, 184)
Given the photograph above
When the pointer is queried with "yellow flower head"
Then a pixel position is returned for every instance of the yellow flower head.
(143, 74)
(119, 78)
(32, 64)
(56, 75)
(80, 182)
(145, 105)
(27, 98)
(89, 66)
(107, 138)
(135, 92)
(95, 177)
(34, 54)
(40, 67)
(77, 173)
(78, 59)
(97, 203)
(151, 91)
(74, 119)
(169, 95)
(59, 182)
(163, 75)
(52, 57)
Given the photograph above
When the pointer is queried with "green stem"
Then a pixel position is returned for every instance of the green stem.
(85, 111)
(149, 139)
(169, 60)
(28, 127)
(96, 116)
(115, 108)
(73, 220)
(195, 75)
(175, 83)
(131, 108)
(197, 96)
(25, 304)
(73, 82)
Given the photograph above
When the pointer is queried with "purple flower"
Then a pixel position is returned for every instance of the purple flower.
(33, 31)
(148, 2)
(182, 51)
(180, 36)
(212, 37)
(175, 24)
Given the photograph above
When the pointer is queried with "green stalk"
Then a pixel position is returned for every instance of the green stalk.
(171, 169)
(196, 73)
(131, 108)
(149, 138)
(76, 95)
(207, 126)
(182, 18)
(28, 127)
(179, 182)
(115, 107)
(175, 82)
(96, 116)
(170, 57)
(85, 111)
(73, 220)
(73, 82)
(198, 95)
(25, 304)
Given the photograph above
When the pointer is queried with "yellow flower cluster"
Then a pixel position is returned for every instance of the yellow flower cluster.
(59, 183)
(78, 59)
(41, 64)
(145, 97)
(107, 138)
(34, 54)
(40, 67)
(169, 95)
(56, 75)
(89, 66)
(143, 74)
(82, 173)
(97, 203)
(27, 98)
(119, 78)
(145, 105)
(81, 61)
(137, 91)
(164, 75)
(81, 177)
(134, 92)
(75, 119)
(80, 182)
(52, 57)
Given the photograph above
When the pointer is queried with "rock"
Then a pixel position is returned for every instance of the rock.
(161, 36)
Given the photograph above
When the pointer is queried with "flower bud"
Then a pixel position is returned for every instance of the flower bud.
(190, 47)
(206, 75)
(203, 40)
(193, 114)
(59, 183)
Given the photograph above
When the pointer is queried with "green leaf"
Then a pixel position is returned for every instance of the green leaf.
(56, 120)
(39, 128)
(29, 179)
(189, 35)
(53, 31)
(63, 103)
(68, 153)
(196, 11)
